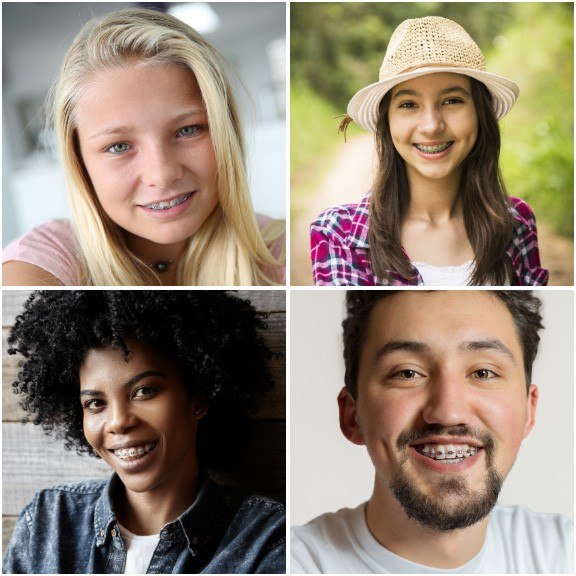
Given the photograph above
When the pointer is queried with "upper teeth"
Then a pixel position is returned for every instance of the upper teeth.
(432, 149)
(171, 204)
(447, 451)
(133, 451)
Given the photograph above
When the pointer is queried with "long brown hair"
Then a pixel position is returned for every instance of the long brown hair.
(487, 218)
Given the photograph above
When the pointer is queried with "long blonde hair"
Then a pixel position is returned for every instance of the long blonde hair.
(228, 248)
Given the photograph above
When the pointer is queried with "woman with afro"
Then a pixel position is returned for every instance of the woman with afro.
(157, 384)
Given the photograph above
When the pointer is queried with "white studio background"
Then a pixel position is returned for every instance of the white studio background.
(329, 473)
(35, 37)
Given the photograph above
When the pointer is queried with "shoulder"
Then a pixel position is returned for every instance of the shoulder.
(50, 247)
(255, 530)
(533, 541)
(274, 234)
(521, 211)
(344, 221)
(67, 495)
(524, 250)
(261, 515)
(320, 545)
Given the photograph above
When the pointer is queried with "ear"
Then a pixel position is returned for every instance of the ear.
(531, 404)
(199, 409)
(348, 417)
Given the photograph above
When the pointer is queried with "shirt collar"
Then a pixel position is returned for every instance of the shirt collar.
(207, 517)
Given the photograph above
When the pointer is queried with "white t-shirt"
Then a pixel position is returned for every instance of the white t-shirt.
(139, 551)
(517, 541)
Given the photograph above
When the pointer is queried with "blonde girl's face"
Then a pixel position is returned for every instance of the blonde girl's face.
(145, 141)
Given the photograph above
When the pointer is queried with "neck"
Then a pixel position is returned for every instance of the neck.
(390, 525)
(151, 253)
(145, 513)
(434, 201)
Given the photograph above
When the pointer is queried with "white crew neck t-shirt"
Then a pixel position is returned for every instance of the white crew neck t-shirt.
(139, 551)
(517, 541)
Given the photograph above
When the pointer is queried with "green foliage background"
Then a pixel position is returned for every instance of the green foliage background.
(337, 48)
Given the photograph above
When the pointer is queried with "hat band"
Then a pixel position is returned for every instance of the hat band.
(423, 66)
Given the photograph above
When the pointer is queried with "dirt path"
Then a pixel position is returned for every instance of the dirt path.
(351, 177)
(348, 180)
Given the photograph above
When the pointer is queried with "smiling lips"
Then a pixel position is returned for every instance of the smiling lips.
(166, 205)
(435, 148)
(134, 452)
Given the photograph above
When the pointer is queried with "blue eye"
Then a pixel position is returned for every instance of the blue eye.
(119, 148)
(188, 131)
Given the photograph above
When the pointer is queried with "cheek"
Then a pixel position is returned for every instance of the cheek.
(382, 420)
(505, 419)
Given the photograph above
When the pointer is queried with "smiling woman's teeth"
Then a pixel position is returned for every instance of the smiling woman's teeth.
(449, 453)
(134, 452)
(433, 149)
(171, 204)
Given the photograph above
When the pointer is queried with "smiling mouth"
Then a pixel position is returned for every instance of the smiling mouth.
(447, 453)
(168, 205)
(134, 452)
(436, 149)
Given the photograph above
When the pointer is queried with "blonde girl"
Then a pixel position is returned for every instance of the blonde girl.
(153, 153)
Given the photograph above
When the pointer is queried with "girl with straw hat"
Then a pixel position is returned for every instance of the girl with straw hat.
(438, 213)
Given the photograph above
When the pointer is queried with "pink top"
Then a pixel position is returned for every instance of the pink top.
(52, 246)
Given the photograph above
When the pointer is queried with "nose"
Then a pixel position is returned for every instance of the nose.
(121, 419)
(447, 401)
(160, 166)
(432, 120)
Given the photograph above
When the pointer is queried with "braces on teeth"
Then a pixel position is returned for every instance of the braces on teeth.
(171, 204)
(450, 454)
(137, 451)
(433, 149)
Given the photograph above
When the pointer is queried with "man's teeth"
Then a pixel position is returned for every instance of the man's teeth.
(134, 452)
(171, 204)
(433, 149)
(449, 453)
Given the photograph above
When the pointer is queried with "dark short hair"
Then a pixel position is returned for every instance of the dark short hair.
(522, 305)
(213, 337)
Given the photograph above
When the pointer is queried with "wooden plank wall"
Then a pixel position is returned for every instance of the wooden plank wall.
(31, 460)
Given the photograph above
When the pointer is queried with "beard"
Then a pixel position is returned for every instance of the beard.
(454, 505)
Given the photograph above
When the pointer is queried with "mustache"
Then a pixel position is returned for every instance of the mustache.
(408, 436)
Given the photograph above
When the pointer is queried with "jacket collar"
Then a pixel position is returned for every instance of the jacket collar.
(202, 523)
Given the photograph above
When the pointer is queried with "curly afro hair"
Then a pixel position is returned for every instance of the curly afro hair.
(213, 336)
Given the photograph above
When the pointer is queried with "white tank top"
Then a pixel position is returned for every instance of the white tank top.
(445, 275)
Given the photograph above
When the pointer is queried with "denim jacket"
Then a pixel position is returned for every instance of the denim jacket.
(73, 529)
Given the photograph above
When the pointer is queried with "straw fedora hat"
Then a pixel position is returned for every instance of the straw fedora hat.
(423, 46)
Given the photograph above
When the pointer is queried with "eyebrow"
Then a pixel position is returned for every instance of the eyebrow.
(179, 116)
(128, 383)
(494, 345)
(443, 92)
(400, 346)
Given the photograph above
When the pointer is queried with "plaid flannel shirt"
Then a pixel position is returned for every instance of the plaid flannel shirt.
(341, 255)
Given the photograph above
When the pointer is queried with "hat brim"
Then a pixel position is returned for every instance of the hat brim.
(364, 105)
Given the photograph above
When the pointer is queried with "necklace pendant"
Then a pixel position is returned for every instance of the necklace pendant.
(160, 266)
